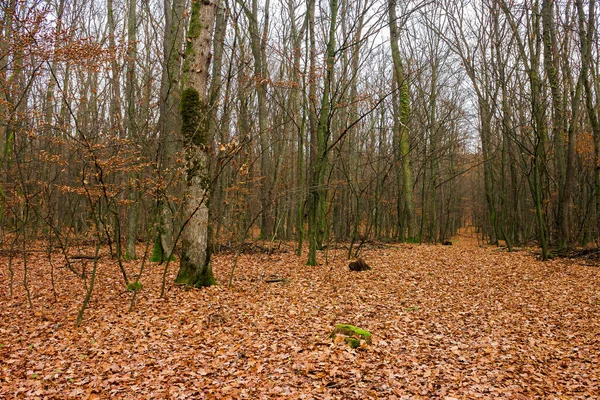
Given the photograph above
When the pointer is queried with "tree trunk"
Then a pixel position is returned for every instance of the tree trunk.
(195, 267)
(530, 55)
(258, 44)
(403, 119)
(115, 85)
(130, 92)
(6, 135)
(566, 177)
(213, 101)
(317, 192)
(299, 123)
(169, 123)
(586, 35)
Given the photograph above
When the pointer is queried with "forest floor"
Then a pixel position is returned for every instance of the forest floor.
(448, 322)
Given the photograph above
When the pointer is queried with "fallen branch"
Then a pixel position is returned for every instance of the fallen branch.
(82, 257)
(274, 279)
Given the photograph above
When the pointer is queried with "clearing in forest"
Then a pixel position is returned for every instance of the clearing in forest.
(447, 322)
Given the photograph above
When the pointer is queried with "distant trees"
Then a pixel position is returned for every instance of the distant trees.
(320, 122)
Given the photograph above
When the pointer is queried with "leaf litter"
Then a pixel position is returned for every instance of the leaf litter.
(448, 322)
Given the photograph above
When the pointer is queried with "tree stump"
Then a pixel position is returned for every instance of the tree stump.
(359, 265)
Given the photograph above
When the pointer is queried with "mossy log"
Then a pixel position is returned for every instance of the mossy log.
(353, 334)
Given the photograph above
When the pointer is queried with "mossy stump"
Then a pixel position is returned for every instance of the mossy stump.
(158, 254)
(352, 335)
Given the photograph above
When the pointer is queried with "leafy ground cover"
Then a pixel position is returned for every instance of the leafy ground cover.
(449, 322)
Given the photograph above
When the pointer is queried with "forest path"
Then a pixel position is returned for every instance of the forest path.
(458, 321)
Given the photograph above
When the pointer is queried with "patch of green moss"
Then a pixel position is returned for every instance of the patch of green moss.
(195, 25)
(352, 332)
(190, 112)
(134, 286)
(194, 118)
(194, 276)
(158, 254)
(205, 280)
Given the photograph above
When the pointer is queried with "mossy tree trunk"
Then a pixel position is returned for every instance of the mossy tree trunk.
(317, 192)
(195, 268)
(6, 136)
(169, 122)
(130, 89)
(402, 118)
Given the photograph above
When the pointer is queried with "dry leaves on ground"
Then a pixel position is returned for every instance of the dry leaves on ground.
(449, 322)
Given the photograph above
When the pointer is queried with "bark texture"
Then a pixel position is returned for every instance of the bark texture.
(195, 268)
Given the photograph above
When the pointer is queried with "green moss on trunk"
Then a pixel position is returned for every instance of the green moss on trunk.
(195, 268)
(190, 275)
(197, 280)
(190, 110)
(158, 253)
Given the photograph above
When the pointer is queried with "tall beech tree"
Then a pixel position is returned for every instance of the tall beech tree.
(195, 267)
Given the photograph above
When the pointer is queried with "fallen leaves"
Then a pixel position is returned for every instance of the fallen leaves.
(447, 322)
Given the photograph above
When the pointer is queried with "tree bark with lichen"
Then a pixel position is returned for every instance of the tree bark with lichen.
(401, 121)
(195, 267)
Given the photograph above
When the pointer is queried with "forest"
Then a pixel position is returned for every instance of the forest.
(184, 182)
